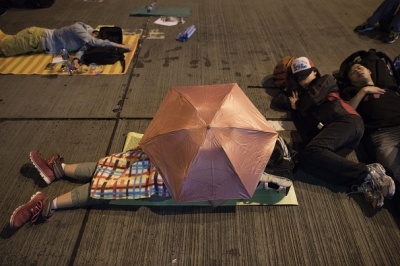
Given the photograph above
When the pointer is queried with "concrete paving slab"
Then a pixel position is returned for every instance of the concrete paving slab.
(61, 96)
(76, 141)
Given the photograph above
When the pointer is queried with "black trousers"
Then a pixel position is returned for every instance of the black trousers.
(324, 156)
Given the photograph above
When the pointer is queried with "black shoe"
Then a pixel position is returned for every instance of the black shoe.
(393, 35)
(2, 11)
(364, 27)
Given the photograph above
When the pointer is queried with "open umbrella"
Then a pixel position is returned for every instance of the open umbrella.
(209, 143)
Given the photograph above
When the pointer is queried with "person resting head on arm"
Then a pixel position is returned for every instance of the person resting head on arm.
(78, 37)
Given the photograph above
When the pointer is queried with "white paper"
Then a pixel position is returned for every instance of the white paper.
(167, 21)
(282, 125)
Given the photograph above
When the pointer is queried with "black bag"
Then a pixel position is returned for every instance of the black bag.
(113, 34)
(382, 69)
(29, 3)
(106, 55)
(278, 174)
(282, 160)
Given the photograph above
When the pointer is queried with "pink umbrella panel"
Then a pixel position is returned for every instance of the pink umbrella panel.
(209, 143)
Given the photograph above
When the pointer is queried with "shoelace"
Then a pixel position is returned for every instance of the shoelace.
(52, 160)
(36, 211)
(55, 164)
(367, 191)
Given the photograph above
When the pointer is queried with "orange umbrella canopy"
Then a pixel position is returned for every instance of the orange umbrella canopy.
(209, 143)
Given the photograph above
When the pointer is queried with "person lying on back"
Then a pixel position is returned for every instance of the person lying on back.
(380, 109)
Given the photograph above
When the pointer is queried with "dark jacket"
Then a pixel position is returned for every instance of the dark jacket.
(377, 110)
(318, 106)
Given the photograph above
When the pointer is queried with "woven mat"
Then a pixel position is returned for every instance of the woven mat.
(260, 197)
(36, 64)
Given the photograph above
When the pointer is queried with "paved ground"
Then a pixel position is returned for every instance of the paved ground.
(85, 118)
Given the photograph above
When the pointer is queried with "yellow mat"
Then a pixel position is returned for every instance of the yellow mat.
(35, 64)
(260, 197)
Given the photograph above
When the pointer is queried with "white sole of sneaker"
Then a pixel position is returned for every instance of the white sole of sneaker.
(42, 174)
(391, 188)
(13, 214)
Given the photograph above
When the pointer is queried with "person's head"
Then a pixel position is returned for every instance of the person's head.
(359, 75)
(304, 71)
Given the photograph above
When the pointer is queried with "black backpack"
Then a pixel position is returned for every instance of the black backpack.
(382, 69)
(278, 174)
(106, 55)
(27, 3)
(282, 160)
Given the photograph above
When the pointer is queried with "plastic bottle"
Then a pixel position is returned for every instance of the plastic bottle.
(65, 57)
(151, 7)
(64, 54)
(184, 36)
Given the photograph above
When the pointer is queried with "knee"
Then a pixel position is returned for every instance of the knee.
(309, 154)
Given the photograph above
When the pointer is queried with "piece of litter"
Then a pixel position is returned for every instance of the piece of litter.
(167, 21)
(186, 34)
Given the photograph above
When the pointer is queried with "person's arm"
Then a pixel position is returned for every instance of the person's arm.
(356, 99)
(77, 59)
(80, 31)
(95, 42)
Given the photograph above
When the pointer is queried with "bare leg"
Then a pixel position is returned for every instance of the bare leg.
(76, 198)
(70, 169)
(62, 202)
(82, 171)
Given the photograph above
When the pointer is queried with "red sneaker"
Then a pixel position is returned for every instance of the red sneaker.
(39, 206)
(49, 169)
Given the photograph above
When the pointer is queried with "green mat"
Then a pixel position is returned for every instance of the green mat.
(162, 11)
(260, 197)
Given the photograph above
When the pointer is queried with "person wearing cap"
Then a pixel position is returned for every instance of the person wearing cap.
(77, 37)
(387, 15)
(379, 106)
(338, 129)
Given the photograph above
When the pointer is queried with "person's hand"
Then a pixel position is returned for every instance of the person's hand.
(293, 99)
(373, 90)
(127, 47)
